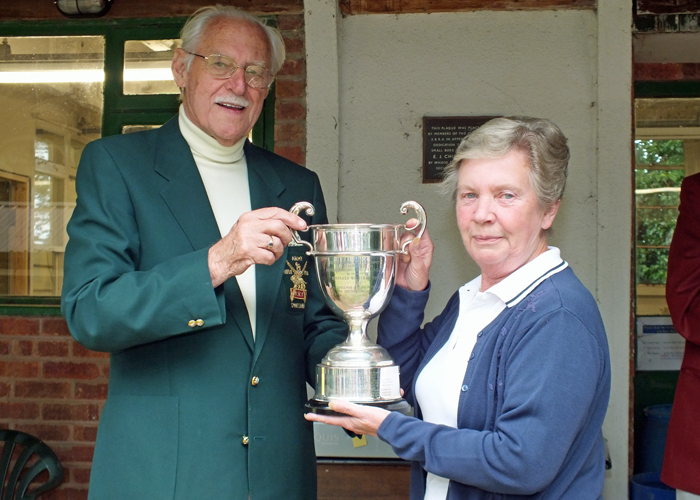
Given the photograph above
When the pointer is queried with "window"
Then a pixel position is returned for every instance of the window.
(62, 85)
(667, 148)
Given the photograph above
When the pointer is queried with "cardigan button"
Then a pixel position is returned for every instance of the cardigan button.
(199, 322)
(245, 440)
(191, 323)
(255, 381)
(465, 387)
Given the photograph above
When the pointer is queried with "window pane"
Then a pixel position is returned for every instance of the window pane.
(147, 67)
(50, 108)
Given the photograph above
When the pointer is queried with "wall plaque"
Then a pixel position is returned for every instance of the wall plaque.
(441, 136)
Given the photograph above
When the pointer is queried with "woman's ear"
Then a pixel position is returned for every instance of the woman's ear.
(549, 215)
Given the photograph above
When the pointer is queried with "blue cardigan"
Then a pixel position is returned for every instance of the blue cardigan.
(533, 398)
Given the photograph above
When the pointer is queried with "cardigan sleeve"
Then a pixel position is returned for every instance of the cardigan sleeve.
(683, 282)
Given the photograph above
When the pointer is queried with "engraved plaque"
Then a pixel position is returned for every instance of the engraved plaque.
(441, 136)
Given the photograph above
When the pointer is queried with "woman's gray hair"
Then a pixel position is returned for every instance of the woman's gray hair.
(195, 26)
(540, 139)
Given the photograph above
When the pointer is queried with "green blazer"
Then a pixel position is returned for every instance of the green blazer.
(195, 409)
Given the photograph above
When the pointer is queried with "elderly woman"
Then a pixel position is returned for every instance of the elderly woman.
(510, 383)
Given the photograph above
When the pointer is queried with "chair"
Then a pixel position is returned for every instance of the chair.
(15, 486)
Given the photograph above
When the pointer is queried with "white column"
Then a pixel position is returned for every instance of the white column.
(615, 223)
(322, 97)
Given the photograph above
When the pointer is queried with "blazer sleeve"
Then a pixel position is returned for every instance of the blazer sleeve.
(683, 281)
(107, 301)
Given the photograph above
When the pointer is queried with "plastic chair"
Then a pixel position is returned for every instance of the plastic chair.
(15, 486)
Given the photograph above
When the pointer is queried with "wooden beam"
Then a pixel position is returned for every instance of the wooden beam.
(351, 7)
(121, 9)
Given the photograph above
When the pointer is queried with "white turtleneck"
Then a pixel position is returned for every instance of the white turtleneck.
(224, 172)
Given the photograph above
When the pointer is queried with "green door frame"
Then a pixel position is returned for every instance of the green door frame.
(119, 109)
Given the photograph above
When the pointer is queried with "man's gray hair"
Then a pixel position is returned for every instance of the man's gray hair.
(540, 139)
(195, 26)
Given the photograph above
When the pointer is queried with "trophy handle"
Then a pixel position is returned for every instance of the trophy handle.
(298, 207)
(422, 219)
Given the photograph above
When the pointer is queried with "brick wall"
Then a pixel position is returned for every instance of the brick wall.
(52, 387)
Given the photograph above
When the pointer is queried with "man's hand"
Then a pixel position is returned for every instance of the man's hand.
(258, 237)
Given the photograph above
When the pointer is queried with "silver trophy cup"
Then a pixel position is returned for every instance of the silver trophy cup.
(356, 267)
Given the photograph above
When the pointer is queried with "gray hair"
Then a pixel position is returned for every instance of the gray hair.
(540, 139)
(193, 29)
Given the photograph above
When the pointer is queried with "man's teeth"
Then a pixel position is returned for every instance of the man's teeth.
(232, 106)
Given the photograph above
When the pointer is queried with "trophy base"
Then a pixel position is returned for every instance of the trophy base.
(322, 408)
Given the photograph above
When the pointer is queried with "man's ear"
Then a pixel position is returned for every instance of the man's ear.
(179, 67)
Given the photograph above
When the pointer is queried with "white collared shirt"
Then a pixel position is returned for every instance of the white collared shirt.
(438, 386)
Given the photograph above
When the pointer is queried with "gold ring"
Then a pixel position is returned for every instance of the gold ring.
(271, 243)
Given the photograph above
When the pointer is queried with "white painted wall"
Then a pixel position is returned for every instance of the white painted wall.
(393, 70)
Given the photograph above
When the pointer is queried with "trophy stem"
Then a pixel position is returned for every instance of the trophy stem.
(358, 330)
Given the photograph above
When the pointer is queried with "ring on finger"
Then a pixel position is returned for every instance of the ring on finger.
(271, 243)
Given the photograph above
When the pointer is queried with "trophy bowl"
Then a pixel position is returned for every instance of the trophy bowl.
(356, 268)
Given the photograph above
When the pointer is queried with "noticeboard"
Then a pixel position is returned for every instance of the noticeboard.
(441, 136)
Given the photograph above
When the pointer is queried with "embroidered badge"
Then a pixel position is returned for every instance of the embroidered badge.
(298, 290)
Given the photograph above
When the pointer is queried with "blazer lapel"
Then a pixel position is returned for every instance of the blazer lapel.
(265, 190)
(187, 199)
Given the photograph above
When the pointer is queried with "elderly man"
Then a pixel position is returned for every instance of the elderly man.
(177, 266)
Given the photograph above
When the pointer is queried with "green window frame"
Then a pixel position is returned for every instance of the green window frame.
(119, 109)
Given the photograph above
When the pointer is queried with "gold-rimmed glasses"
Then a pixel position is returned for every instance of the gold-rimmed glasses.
(222, 67)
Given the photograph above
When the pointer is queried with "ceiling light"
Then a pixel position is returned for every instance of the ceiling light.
(83, 8)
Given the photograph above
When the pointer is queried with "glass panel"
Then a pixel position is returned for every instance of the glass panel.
(50, 108)
(128, 129)
(147, 67)
(667, 148)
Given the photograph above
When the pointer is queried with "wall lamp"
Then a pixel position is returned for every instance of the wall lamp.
(83, 8)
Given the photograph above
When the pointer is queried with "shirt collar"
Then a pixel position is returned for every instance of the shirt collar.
(518, 284)
(206, 146)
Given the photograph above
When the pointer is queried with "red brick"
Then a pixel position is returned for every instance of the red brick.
(20, 411)
(286, 23)
(90, 391)
(69, 454)
(289, 132)
(105, 371)
(289, 89)
(690, 71)
(295, 67)
(55, 326)
(24, 347)
(293, 153)
(65, 369)
(4, 389)
(19, 369)
(294, 46)
(4, 347)
(11, 325)
(48, 390)
(71, 412)
(53, 348)
(81, 475)
(81, 352)
(64, 492)
(47, 432)
(657, 72)
(84, 433)
(289, 110)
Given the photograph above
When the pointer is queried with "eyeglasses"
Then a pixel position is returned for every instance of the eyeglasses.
(222, 67)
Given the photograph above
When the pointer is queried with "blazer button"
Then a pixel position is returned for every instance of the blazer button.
(199, 322)
(191, 323)
(255, 380)
(245, 440)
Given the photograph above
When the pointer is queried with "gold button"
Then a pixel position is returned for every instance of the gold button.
(245, 440)
(255, 381)
(191, 323)
(199, 322)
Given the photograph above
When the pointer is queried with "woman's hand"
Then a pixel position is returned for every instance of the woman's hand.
(360, 419)
(413, 271)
